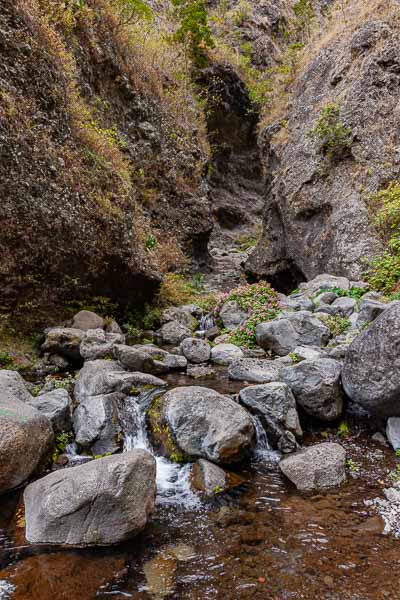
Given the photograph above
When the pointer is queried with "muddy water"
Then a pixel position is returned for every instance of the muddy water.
(264, 542)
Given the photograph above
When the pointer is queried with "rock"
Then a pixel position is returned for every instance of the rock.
(379, 438)
(175, 362)
(106, 501)
(213, 333)
(370, 309)
(25, 434)
(56, 406)
(254, 370)
(297, 302)
(371, 372)
(316, 468)
(393, 432)
(326, 309)
(325, 298)
(232, 315)
(173, 333)
(225, 354)
(344, 306)
(222, 339)
(96, 423)
(200, 372)
(180, 314)
(97, 344)
(316, 387)
(64, 341)
(205, 424)
(112, 326)
(324, 282)
(196, 350)
(283, 334)
(275, 405)
(308, 352)
(134, 359)
(208, 478)
(85, 320)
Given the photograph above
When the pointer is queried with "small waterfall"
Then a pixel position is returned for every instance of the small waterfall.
(206, 322)
(173, 485)
(263, 451)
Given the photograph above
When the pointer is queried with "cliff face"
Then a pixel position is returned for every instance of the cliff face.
(101, 182)
(316, 217)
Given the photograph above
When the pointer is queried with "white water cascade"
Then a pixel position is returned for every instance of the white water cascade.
(206, 322)
(263, 451)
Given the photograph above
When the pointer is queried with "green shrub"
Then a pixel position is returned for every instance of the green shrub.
(194, 31)
(332, 136)
(336, 325)
(6, 360)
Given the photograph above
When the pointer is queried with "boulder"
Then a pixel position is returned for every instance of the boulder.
(96, 423)
(325, 298)
(173, 333)
(296, 302)
(64, 341)
(86, 319)
(232, 315)
(316, 387)
(316, 468)
(56, 405)
(175, 362)
(370, 309)
(98, 344)
(180, 314)
(324, 282)
(254, 370)
(205, 424)
(283, 334)
(225, 354)
(308, 352)
(344, 306)
(196, 350)
(25, 434)
(275, 405)
(393, 432)
(209, 479)
(371, 372)
(103, 502)
(134, 359)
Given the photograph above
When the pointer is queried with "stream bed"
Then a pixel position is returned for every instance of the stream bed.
(262, 541)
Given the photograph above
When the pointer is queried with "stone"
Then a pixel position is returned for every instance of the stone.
(371, 371)
(209, 479)
(96, 423)
(254, 370)
(316, 468)
(196, 350)
(98, 344)
(64, 341)
(103, 502)
(225, 354)
(180, 314)
(26, 435)
(338, 352)
(112, 326)
(379, 438)
(308, 352)
(393, 432)
(325, 298)
(370, 309)
(206, 424)
(173, 333)
(283, 334)
(232, 315)
(275, 406)
(134, 359)
(297, 302)
(213, 333)
(201, 372)
(175, 362)
(324, 282)
(56, 405)
(316, 387)
(86, 319)
(344, 306)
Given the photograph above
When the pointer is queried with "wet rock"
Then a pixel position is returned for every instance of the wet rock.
(96, 423)
(344, 306)
(275, 405)
(316, 468)
(316, 387)
(254, 370)
(86, 319)
(370, 309)
(173, 333)
(56, 406)
(393, 432)
(371, 372)
(205, 424)
(200, 372)
(283, 334)
(225, 354)
(98, 344)
(103, 502)
(160, 573)
(232, 315)
(25, 434)
(64, 341)
(208, 478)
(196, 350)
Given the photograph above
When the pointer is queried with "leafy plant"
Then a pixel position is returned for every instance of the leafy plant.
(343, 430)
(332, 136)
(198, 281)
(305, 15)
(194, 31)
(352, 465)
(337, 325)
(61, 442)
(150, 242)
(295, 358)
(218, 489)
(6, 360)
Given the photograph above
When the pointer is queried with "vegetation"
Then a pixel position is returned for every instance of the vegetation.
(61, 442)
(194, 31)
(295, 358)
(352, 466)
(337, 325)
(343, 430)
(332, 137)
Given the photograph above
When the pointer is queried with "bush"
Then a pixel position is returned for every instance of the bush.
(332, 136)
(261, 302)
(194, 31)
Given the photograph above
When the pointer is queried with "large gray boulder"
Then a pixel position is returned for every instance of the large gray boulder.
(103, 502)
(135, 359)
(86, 319)
(173, 333)
(196, 350)
(180, 314)
(205, 424)
(316, 468)
(283, 334)
(64, 341)
(232, 315)
(254, 370)
(275, 405)
(96, 423)
(371, 372)
(97, 344)
(225, 354)
(25, 434)
(344, 306)
(370, 309)
(324, 282)
(316, 387)
(56, 405)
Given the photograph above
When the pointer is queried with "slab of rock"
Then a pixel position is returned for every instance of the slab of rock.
(296, 302)
(283, 334)
(232, 315)
(324, 282)
(175, 362)
(316, 468)
(254, 370)
(370, 309)
(371, 372)
(103, 502)
(275, 405)
(344, 306)
(225, 354)
(209, 479)
(196, 350)
(393, 432)
(25, 434)
(96, 344)
(325, 298)
(308, 352)
(316, 387)
(134, 359)
(96, 423)
(173, 333)
(205, 424)
(86, 319)
(64, 341)
(57, 407)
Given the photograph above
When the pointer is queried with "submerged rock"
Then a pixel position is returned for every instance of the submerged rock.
(316, 468)
(103, 502)
(254, 370)
(316, 386)
(208, 478)
(196, 350)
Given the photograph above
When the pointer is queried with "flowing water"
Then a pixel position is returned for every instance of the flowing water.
(264, 541)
